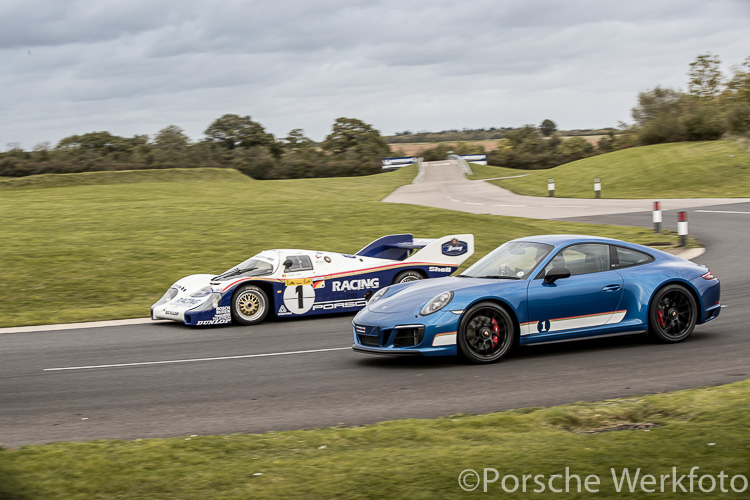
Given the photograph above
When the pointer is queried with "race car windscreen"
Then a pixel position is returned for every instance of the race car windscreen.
(512, 260)
(258, 265)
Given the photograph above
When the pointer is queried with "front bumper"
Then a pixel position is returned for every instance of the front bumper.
(433, 335)
(219, 315)
(386, 352)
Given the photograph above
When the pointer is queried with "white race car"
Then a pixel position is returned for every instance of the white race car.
(306, 282)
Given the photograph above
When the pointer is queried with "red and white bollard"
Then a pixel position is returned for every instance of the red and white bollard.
(656, 217)
(682, 227)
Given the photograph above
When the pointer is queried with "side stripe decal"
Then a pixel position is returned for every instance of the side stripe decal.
(572, 322)
(344, 274)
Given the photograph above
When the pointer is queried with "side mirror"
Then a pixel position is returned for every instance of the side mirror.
(555, 274)
(287, 264)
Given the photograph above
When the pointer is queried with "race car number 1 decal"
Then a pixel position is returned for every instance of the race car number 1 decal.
(299, 299)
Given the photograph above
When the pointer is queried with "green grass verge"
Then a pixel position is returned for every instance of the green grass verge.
(106, 245)
(705, 428)
(715, 169)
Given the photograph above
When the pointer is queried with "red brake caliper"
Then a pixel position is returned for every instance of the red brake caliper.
(495, 332)
(660, 319)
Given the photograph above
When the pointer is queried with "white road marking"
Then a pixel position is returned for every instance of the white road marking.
(193, 360)
(76, 326)
(517, 206)
(721, 212)
(473, 203)
(499, 178)
(566, 206)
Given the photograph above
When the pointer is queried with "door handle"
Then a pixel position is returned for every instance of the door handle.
(611, 288)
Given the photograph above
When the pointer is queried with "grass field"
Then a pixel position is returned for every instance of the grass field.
(715, 169)
(705, 428)
(106, 245)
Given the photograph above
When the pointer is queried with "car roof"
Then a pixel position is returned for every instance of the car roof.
(567, 239)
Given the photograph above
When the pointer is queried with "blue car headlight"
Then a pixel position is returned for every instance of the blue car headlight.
(378, 294)
(436, 303)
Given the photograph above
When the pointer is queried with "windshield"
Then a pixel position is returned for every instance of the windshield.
(512, 260)
(257, 265)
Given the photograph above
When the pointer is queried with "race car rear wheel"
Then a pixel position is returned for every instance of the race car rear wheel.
(249, 305)
(406, 276)
(672, 315)
(486, 333)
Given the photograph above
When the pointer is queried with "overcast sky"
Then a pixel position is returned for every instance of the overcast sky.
(134, 67)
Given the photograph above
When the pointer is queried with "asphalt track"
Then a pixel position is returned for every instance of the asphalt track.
(165, 379)
(445, 186)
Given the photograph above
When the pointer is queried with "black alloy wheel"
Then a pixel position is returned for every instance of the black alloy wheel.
(486, 333)
(672, 315)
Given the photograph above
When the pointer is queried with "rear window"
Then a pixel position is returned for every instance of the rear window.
(628, 257)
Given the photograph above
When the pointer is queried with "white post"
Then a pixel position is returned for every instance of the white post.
(656, 217)
(682, 228)
(551, 187)
(597, 187)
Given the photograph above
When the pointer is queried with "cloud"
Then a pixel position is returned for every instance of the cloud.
(135, 67)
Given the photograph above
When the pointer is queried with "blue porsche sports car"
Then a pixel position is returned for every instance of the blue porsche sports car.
(541, 289)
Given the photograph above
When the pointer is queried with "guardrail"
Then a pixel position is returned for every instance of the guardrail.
(420, 171)
(464, 166)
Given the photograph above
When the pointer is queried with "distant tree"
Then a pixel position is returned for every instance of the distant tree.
(171, 138)
(655, 102)
(171, 145)
(468, 148)
(99, 142)
(738, 86)
(738, 118)
(548, 127)
(297, 139)
(606, 143)
(437, 152)
(234, 131)
(575, 148)
(355, 142)
(351, 133)
(704, 77)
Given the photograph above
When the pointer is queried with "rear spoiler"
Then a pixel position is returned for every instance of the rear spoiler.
(448, 250)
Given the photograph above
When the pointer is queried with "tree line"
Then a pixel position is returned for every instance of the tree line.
(352, 148)
(713, 106)
(475, 134)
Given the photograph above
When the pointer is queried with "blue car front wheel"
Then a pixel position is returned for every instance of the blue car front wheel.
(486, 333)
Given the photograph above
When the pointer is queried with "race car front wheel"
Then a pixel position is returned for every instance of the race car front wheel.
(486, 333)
(406, 276)
(249, 305)
(672, 315)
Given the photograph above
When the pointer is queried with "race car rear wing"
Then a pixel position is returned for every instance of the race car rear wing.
(449, 250)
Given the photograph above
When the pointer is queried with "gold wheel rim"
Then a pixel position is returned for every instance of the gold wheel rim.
(248, 304)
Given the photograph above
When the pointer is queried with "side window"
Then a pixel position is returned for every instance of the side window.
(299, 263)
(627, 257)
(582, 259)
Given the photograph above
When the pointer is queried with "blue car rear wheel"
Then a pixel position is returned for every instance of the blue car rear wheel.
(672, 315)
(486, 333)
